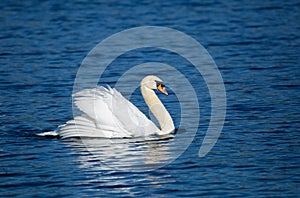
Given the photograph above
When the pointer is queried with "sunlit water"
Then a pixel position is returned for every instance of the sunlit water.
(255, 45)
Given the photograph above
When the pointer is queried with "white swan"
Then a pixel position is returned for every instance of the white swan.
(108, 114)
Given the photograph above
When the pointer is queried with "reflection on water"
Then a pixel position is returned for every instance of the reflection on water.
(125, 154)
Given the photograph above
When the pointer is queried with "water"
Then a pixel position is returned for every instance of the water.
(256, 46)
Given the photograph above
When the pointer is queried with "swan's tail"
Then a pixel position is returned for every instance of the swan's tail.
(48, 134)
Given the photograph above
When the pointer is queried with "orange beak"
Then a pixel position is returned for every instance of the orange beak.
(162, 89)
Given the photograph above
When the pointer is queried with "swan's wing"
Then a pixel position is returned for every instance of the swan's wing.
(112, 112)
(84, 126)
(95, 103)
(131, 117)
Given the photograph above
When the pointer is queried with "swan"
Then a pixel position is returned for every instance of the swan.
(107, 114)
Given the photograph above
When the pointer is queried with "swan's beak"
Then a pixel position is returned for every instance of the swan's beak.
(162, 89)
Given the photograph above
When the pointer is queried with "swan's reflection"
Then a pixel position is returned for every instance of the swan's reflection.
(138, 154)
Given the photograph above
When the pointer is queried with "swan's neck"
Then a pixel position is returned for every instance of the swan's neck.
(159, 111)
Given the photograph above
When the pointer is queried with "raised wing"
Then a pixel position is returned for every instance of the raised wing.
(108, 114)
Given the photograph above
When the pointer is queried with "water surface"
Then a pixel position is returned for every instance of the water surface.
(256, 46)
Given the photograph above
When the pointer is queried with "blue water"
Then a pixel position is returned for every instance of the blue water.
(256, 46)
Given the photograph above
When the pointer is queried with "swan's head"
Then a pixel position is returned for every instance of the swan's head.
(153, 82)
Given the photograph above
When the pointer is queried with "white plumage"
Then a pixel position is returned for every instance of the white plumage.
(107, 114)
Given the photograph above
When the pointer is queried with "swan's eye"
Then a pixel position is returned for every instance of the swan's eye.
(159, 84)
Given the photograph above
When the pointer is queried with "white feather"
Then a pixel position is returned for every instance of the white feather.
(106, 114)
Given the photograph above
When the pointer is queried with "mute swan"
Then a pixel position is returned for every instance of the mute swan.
(107, 114)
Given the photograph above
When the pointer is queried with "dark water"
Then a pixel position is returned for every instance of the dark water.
(256, 46)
